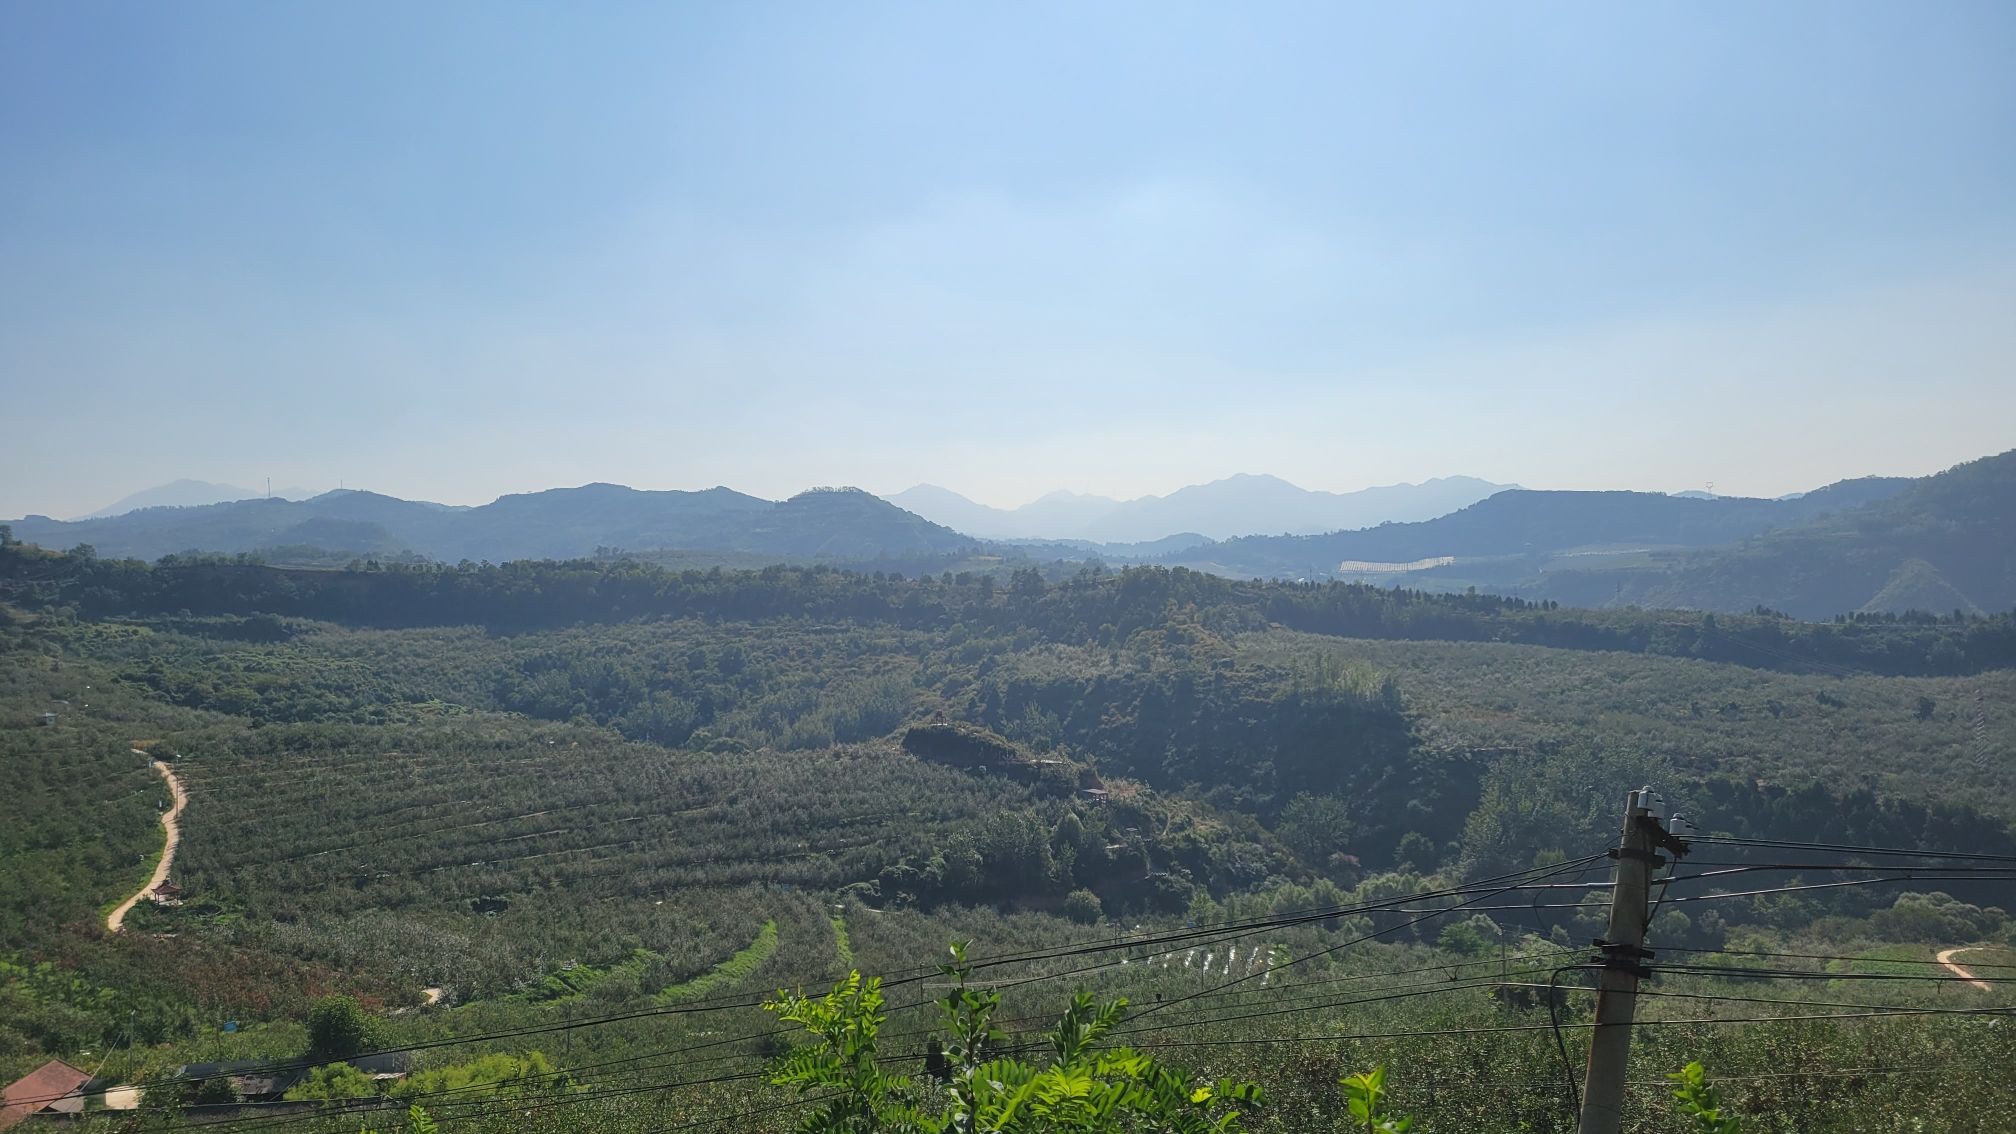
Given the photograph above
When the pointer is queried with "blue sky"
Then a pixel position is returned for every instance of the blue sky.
(453, 251)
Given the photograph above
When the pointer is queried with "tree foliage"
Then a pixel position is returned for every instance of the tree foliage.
(1085, 1085)
(338, 1028)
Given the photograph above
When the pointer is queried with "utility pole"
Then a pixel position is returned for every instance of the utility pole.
(1624, 959)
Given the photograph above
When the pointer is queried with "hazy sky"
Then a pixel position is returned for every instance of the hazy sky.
(451, 251)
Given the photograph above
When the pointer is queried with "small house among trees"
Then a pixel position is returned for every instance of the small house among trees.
(53, 1088)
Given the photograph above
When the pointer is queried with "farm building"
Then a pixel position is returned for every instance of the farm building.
(257, 1082)
(53, 1088)
(251, 1081)
(385, 1065)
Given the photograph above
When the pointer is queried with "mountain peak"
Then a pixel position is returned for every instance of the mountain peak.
(184, 493)
(926, 492)
(1067, 496)
(1245, 503)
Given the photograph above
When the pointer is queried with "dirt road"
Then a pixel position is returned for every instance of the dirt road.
(117, 918)
(1946, 958)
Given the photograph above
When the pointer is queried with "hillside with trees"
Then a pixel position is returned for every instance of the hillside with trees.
(1944, 544)
(601, 811)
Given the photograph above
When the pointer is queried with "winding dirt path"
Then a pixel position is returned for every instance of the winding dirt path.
(117, 918)
(1946, 956)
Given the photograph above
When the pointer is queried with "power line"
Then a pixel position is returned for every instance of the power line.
(1788, 844)
(1801, 974)
(698, 1123)
(477, 1098)
(1752, 867)
(474, 1107)
(1521, 875)
(1909, 1008)
(1447, 966)
(1102, 944)
(1404, 993)
(510, 1033)
(1726, 896)
(1830, 1073)
(1509, 1028)
(1287, 989)
(1554, 1023)
(1251, 928)
(1243, 929)
(1869, 958)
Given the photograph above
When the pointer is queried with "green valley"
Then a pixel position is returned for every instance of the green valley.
(599, 811)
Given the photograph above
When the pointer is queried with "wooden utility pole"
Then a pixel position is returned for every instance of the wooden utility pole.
(1623, 963)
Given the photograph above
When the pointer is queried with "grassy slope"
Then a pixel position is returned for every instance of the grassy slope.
(729, 973)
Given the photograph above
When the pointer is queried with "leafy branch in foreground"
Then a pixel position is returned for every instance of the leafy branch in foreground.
(1365, 1095)
(1084, 1088)
(1698, 1099)
(845, 1022)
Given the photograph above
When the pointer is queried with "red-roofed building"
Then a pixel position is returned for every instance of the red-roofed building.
(53, 1088)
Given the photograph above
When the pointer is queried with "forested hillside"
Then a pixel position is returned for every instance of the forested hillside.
(597, 810)
(1944, 544)
(1091, 604)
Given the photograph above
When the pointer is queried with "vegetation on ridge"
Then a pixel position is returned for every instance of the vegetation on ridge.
(623, 781)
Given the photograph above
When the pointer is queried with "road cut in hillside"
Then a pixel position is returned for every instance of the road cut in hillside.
(1964, 973)
(170, 824)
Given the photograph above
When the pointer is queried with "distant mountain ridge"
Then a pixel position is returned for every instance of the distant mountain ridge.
(1526, 522)
(1943, 543)
(1246, 504)
(1876, 545)
(554, 524)
(184, 494)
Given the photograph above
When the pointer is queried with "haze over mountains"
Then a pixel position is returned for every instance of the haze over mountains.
(556, 524)
(1524, 522)
(1939, 543)
(187, 494)
(1874, 545)
(1943, 543)
(1240, 505)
